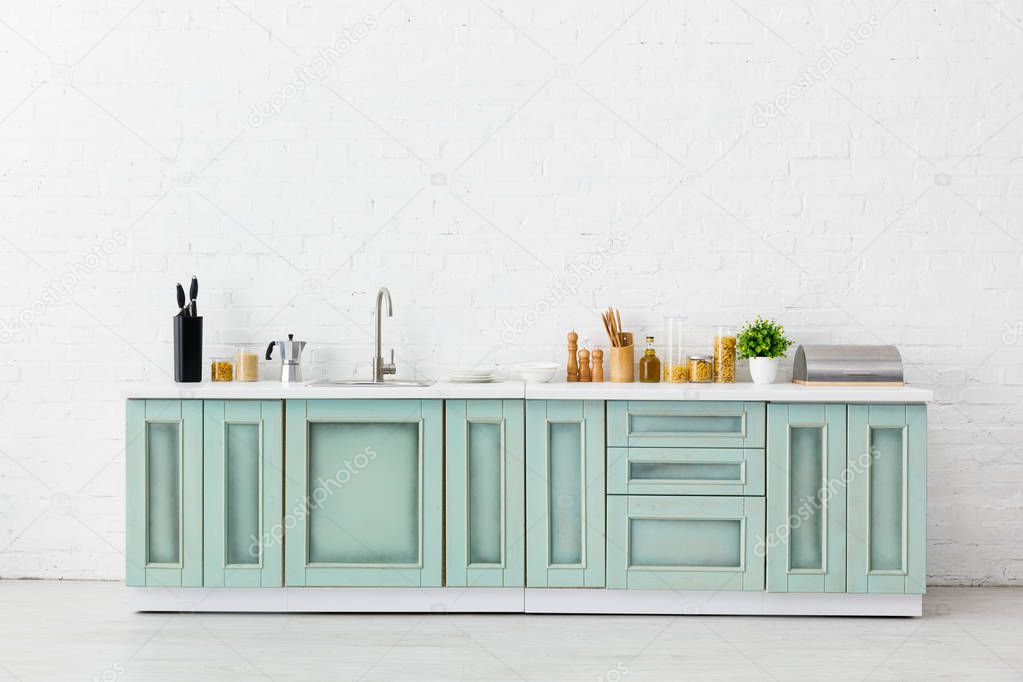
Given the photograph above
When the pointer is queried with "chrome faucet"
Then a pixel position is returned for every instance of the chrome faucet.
(380, 368)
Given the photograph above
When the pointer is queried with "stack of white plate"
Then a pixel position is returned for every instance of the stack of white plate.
(474, 375)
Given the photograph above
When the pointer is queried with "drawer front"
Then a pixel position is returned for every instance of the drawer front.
(686, 424)
(684, 543)
(685, 471)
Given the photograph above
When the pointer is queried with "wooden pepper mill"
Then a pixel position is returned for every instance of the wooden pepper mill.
(584, 365)
(573, 367)
(598, 365)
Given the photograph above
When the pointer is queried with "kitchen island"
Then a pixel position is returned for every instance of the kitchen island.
(513, 497)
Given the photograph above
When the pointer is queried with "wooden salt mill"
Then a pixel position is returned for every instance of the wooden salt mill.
(584, 365)
(598, 365)
(573, 367)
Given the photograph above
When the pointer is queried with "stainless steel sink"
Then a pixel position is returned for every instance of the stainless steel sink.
(380, 368)
(326, 383)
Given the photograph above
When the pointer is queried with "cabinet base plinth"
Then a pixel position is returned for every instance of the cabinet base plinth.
(329, 599)
(517, 600)
(701, 603)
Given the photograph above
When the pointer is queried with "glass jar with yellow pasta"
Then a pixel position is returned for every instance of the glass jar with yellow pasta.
(221, 369)
(724, 354)
(701, 369)
(676, 369)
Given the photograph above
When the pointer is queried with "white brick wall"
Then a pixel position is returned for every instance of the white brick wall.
(466, 154)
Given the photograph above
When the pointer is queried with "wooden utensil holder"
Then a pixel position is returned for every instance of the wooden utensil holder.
(623, 361)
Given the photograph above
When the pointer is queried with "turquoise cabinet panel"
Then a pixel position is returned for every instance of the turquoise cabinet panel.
(684, 543)
(485, 493)
(806, 498)
(688, 424)
(565, 453)
(887, 529)
(363, 493)
(685, 471)
(163, 480)
(243, 527)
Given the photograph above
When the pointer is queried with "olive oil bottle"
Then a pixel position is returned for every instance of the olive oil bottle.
(649, 365)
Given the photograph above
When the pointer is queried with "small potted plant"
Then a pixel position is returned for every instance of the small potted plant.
(763, 342)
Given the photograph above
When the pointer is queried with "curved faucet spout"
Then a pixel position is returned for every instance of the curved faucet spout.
(380, 368)
(384, 294)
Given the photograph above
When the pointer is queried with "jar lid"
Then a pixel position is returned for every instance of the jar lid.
(707, 358)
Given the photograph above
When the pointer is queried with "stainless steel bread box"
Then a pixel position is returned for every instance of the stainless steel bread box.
(847, 366)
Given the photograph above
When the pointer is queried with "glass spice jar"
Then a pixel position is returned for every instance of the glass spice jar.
(676, 369)
(724, 354)
(701, 369)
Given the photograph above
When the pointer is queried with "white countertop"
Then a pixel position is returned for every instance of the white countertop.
(788, 393)
(782, 393)
(274, 390)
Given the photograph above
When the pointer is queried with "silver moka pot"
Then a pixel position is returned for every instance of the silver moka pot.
(290, 352)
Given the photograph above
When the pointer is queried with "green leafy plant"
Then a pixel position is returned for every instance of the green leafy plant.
(762, 339)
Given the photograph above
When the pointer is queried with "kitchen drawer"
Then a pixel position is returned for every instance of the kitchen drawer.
(684, 543)
(687, 424)
(685, 471)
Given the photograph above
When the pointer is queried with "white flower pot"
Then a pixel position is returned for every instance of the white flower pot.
(764, 370)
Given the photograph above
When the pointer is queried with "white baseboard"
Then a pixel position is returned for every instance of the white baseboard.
(330, 599)
(516, 600)
(671, 602)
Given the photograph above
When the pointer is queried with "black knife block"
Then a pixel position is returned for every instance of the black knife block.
(188, 349)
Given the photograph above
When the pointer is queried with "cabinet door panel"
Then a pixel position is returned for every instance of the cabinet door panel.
(485, 493)
(684, 543)
(164, 460)
(163, 493)
(365, 479)
(565, 487)
(375, 517)
(806, 498)
(887, 498)
(243, 531)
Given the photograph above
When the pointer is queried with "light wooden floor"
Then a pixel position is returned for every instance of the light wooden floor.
(84, 631)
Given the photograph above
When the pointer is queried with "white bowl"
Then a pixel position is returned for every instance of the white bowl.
(537, 372)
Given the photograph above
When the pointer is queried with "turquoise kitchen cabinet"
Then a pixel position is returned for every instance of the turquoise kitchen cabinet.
(163, 480)
(887, 529)
(685, 471)
(748, 497)
(806, 498)
(684, 543)
(243, 532)
(685, 424)
(363, 493)
(485, 488)
(565, 451)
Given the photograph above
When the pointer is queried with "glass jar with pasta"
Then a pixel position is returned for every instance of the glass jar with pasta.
(724, 354)
(675, 367)
(247, 362)
(701, 369)
(221, 369)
